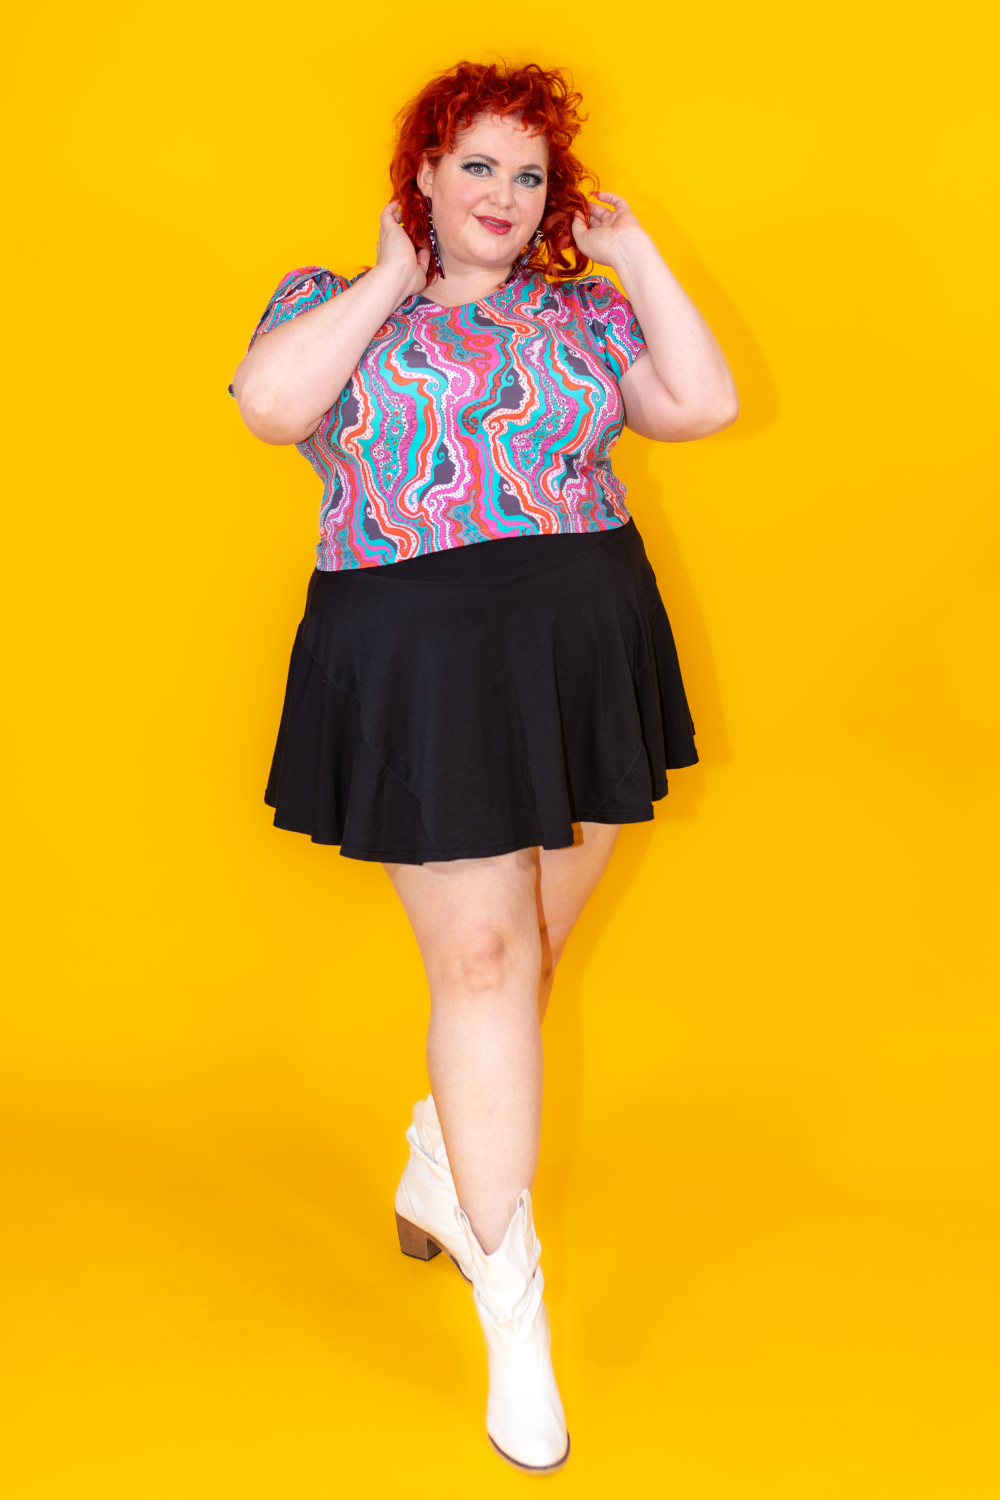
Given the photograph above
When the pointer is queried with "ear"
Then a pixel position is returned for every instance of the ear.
(425, 176)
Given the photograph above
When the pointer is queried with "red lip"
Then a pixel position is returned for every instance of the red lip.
(495, 226)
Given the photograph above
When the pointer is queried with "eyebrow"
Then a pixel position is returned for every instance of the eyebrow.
(482, 156)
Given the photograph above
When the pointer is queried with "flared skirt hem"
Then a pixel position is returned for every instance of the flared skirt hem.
(470, 704)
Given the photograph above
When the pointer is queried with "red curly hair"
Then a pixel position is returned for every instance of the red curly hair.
(543, 100)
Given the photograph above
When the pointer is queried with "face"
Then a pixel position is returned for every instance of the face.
(488, 193)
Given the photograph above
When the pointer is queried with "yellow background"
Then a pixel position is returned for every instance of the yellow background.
(768, 1190)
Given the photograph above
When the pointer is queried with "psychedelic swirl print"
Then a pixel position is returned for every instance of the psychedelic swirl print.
(468, 424)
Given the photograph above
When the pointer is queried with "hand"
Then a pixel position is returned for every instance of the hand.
(609, 229)
(397, 253)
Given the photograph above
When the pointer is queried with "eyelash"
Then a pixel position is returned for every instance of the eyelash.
(532, 180)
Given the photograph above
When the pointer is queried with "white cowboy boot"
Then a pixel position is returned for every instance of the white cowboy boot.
(524, 1415)
(426, 1199)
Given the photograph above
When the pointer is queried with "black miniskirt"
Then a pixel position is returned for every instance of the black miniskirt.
(480, 700)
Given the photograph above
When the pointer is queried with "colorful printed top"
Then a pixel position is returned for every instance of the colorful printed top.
(467, 424)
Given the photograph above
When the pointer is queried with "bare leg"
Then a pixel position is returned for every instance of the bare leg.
(567, 878)
(490, 932)
(476, 924)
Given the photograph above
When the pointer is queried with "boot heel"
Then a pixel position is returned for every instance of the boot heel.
(414, 1241)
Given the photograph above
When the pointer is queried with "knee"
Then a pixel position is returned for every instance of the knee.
(478, 966)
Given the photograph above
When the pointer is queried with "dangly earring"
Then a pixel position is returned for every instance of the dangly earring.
(528, 251)
(433, 239)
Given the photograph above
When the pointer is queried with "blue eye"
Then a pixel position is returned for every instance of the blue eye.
(483, 169)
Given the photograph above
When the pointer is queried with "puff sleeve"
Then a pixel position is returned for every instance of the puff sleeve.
(613, 325)
(298, 292)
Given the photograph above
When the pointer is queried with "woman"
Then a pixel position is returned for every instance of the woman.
(484, 686)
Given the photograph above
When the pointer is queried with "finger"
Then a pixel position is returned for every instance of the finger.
(616, 202)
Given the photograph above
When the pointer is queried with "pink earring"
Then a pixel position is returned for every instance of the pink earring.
(433, 239)
(528, 251)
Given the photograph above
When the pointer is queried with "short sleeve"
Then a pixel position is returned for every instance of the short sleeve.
(299, 292)
(612, 323)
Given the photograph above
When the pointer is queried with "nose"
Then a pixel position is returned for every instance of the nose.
(502, 193)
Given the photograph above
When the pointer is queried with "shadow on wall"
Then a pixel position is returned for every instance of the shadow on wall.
(565, 1043)
(649, 508)
(759, 402)
(564, 1033)
(632, 461)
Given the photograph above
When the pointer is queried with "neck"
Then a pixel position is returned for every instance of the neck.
(461, 284)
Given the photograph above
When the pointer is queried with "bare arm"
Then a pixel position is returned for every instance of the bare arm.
(680, 386)
(295, 373)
